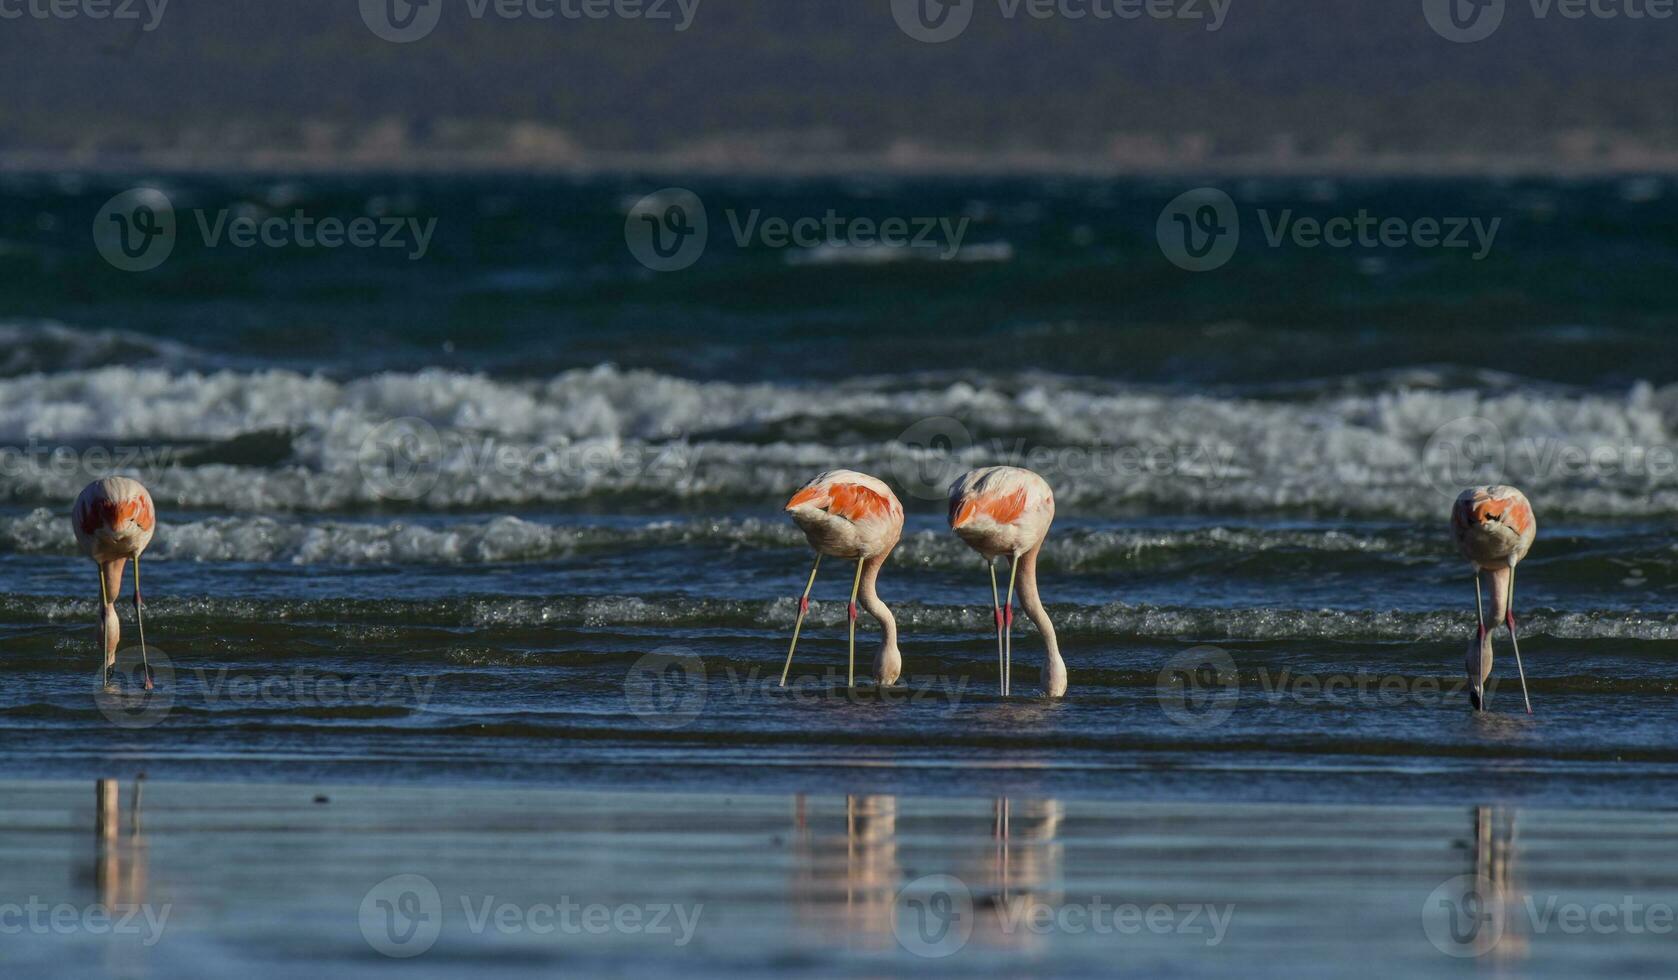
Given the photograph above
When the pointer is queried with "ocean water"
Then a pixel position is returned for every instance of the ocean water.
(509, 511)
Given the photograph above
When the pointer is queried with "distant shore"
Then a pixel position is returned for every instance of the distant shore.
(735, 161)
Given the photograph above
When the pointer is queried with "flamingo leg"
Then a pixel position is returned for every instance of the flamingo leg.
(1509, 618)
(803, 607)
(140, 621)
(856, 584)
(1008, 627)
(1480, 618)
(1479, 602)
(996, 609)
(104, 637)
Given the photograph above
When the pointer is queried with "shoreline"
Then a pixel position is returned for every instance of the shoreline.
(293, 791)
(842, 166)
(1153, 778)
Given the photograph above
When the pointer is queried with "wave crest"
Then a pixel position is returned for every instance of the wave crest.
(635, 438)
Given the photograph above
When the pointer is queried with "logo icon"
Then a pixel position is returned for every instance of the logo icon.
(932, 21)
(401, 21)
(135, 230)
(1199, 687)
(1465, 452)
(667, 230)
(927, 456)
(402, 916)
(1463, 21)
(124, 701)
(1199, 229)
(401, 459)
(933, 916)
(1465, 916)
(666, 688)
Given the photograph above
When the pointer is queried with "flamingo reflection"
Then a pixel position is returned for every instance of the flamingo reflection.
(119, 863)
(1021, 870)
(845, 885)
(1494, 864)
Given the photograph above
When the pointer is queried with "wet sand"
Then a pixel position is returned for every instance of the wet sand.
(142, 879)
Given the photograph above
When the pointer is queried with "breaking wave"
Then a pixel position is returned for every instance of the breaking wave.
(279, 440)
(28, 348)
(508, 539)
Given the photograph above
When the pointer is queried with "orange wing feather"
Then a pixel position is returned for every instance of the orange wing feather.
(855, 503)
(1003, 509)
(808, 495)
(1513, 513)
(847, 500)
(140, 510)
(1518, 516)
(1006, 510)
(116, 513)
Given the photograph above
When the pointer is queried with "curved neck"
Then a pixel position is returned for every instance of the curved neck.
(888, 663)
(1497, 602)
(870, 600)
(1479, 661)
(1054, 668)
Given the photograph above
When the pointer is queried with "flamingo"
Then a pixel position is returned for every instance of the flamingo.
(1005, 511)
(114, 521)
(1494, 529)
(851, 515)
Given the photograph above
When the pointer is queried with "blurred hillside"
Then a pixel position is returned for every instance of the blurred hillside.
(830, 84)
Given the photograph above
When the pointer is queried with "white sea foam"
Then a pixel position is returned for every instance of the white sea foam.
(311, 541)
(839, 253)
(608, 433)
(507, 539)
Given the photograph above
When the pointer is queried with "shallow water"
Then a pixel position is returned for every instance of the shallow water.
(203, 879)
(601, 657)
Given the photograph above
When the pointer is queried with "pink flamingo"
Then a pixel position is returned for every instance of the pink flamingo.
(114, 521)
(851, 515)
(1005, 511)
(1494, 528)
